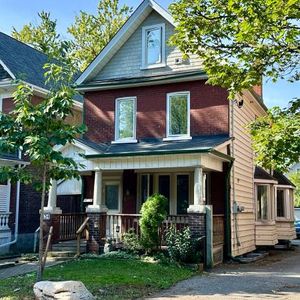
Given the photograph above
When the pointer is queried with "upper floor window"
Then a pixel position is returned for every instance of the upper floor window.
(262, 202)
(125, 120)
(178, 115)
(153, 46)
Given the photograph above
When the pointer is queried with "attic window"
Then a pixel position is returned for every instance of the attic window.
(153, 46)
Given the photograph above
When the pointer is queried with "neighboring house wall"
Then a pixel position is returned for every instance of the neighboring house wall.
(209, 112)
(127, 62)
(242, 187)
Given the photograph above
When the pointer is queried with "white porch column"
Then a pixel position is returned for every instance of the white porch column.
(199, 205)
(98, 201)
(52, 196)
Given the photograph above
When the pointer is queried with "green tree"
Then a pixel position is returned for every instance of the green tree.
(239, 42)
(35, 130)
(44, 37)
(92, 32)
(89, 33)
(295, 178)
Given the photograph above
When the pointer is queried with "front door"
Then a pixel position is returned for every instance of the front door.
(112, 197)
(182, 194)
(164, 188)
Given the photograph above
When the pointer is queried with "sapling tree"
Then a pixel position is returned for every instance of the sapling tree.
(35, 130)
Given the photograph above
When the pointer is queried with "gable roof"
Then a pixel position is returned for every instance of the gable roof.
(21, 61)
(138, 16)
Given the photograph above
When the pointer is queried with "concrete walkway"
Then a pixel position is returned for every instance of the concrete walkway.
(23, 269)
(276, 277)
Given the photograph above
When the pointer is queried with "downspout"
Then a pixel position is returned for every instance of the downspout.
(16, 232)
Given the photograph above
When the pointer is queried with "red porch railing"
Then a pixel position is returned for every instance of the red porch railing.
(69, 224)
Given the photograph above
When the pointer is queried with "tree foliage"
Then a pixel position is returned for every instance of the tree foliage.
(295, 178)
(154, 212)
(276, 138)
(34, 129)
(89, 33)
(239, 42)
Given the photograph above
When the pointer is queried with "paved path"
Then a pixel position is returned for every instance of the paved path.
(23, 269)
(276, 277)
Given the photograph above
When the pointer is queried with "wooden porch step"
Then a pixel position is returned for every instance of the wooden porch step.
(69, 246)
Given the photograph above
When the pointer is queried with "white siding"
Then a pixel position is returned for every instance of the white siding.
(127, 62)
(4, 197)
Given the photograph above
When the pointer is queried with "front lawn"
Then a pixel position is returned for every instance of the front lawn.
(105, 278)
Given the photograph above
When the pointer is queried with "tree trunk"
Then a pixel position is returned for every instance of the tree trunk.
(40, 270)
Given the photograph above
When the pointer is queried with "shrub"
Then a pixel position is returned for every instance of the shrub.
(154, 212)
(181, 247)
(131, 242)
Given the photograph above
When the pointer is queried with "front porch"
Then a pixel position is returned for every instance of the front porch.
(192, 175)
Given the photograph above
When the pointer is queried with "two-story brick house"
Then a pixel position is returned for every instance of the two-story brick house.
(19, 203)
(154, 126)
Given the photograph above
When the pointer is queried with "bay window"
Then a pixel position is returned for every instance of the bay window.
(280, 201)
(262, 202)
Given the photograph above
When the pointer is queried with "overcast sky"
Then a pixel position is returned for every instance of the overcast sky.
(16, 13)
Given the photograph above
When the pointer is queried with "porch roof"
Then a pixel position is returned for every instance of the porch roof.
(151, 146)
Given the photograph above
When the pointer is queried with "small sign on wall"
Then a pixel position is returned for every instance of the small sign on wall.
(47, 217)
(88, 200)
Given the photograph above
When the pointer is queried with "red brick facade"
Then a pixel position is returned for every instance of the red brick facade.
(208, 110)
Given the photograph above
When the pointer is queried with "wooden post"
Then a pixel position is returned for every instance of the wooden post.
(209, 237)
(47, 247)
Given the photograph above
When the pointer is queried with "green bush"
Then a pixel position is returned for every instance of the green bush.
(181, 247)
(131, 242)
(154, 212)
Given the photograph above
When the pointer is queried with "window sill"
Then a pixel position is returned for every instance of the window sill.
(283, 219)
(177, 138)
(163, 65)
(124, 142)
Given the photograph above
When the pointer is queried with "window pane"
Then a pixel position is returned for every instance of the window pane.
(182, 194)
(164, 187)
(112, 197)
(126, 119)
(146, 187)
(178, 114)
(262, 202)
(153, 37)
(280, 203)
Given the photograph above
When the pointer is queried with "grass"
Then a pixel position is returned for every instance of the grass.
(104, 278)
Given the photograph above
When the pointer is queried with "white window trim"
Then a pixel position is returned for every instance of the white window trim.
(269, 204)
(287, 204)
(125, 140)
(144, 47)
(178, 136)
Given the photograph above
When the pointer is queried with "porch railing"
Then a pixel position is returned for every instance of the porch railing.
(118, 224)
(4, 219)
(69, 224)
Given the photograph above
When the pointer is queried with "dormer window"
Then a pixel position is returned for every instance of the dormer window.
(153, 46)
(125, 120)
